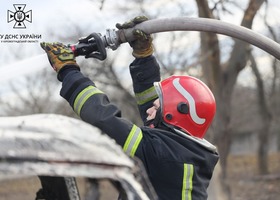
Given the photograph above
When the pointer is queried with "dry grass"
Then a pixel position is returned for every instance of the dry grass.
(246, 183)
(25, 189)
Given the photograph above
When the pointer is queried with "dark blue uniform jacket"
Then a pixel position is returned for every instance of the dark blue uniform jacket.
(178, 167)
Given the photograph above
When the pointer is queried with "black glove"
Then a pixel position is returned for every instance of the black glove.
(142, 45)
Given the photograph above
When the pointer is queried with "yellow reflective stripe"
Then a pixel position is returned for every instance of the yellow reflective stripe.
(187, 182)
(83, 97)
(146, 96)
(133, 140)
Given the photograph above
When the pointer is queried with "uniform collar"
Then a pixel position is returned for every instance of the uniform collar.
(201, 141)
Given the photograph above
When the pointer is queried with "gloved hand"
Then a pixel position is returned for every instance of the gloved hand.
(59, 55)
(142, 46)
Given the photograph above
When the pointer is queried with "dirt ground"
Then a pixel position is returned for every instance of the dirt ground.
(243, 178)
(246, 183)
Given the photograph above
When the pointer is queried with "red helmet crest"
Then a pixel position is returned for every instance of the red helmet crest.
(186, 103)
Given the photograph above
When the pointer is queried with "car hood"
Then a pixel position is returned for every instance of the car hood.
(55, 144)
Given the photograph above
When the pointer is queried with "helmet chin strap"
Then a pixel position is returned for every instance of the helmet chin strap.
(157, 122)
(154, 123)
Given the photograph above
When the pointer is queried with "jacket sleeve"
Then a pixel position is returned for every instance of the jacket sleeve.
(93, 106)
(144, 72)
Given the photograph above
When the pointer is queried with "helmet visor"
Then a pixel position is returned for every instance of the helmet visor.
(158, 91)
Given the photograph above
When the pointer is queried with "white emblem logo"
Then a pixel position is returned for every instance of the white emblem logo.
(19, 16)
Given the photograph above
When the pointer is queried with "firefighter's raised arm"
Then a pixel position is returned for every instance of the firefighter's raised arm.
(144, 69)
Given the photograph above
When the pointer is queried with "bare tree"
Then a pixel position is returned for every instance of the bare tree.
(274, 100)
(221, 77)
(35, 94)
(266, 120)
(104, 74)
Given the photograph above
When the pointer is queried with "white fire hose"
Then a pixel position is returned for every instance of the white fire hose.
(94, 45)
(195, 24)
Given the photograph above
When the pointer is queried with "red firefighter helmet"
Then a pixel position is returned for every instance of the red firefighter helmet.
(186, 103)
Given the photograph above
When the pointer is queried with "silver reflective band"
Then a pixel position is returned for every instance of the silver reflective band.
(187, 182)
(146, 96)
(83, 96)
(133, 140)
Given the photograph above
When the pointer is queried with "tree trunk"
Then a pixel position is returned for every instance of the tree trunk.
(222, 78)
(266, 121)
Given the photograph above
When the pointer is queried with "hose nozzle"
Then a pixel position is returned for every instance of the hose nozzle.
(93, 46)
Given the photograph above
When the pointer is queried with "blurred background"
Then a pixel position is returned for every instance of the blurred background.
(244, 79)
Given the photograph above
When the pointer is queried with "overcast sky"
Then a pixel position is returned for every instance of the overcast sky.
(53, 19)
(63, 17)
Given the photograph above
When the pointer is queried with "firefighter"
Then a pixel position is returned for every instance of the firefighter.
(176, 113)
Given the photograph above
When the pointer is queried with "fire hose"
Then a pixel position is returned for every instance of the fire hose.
(94, 45)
